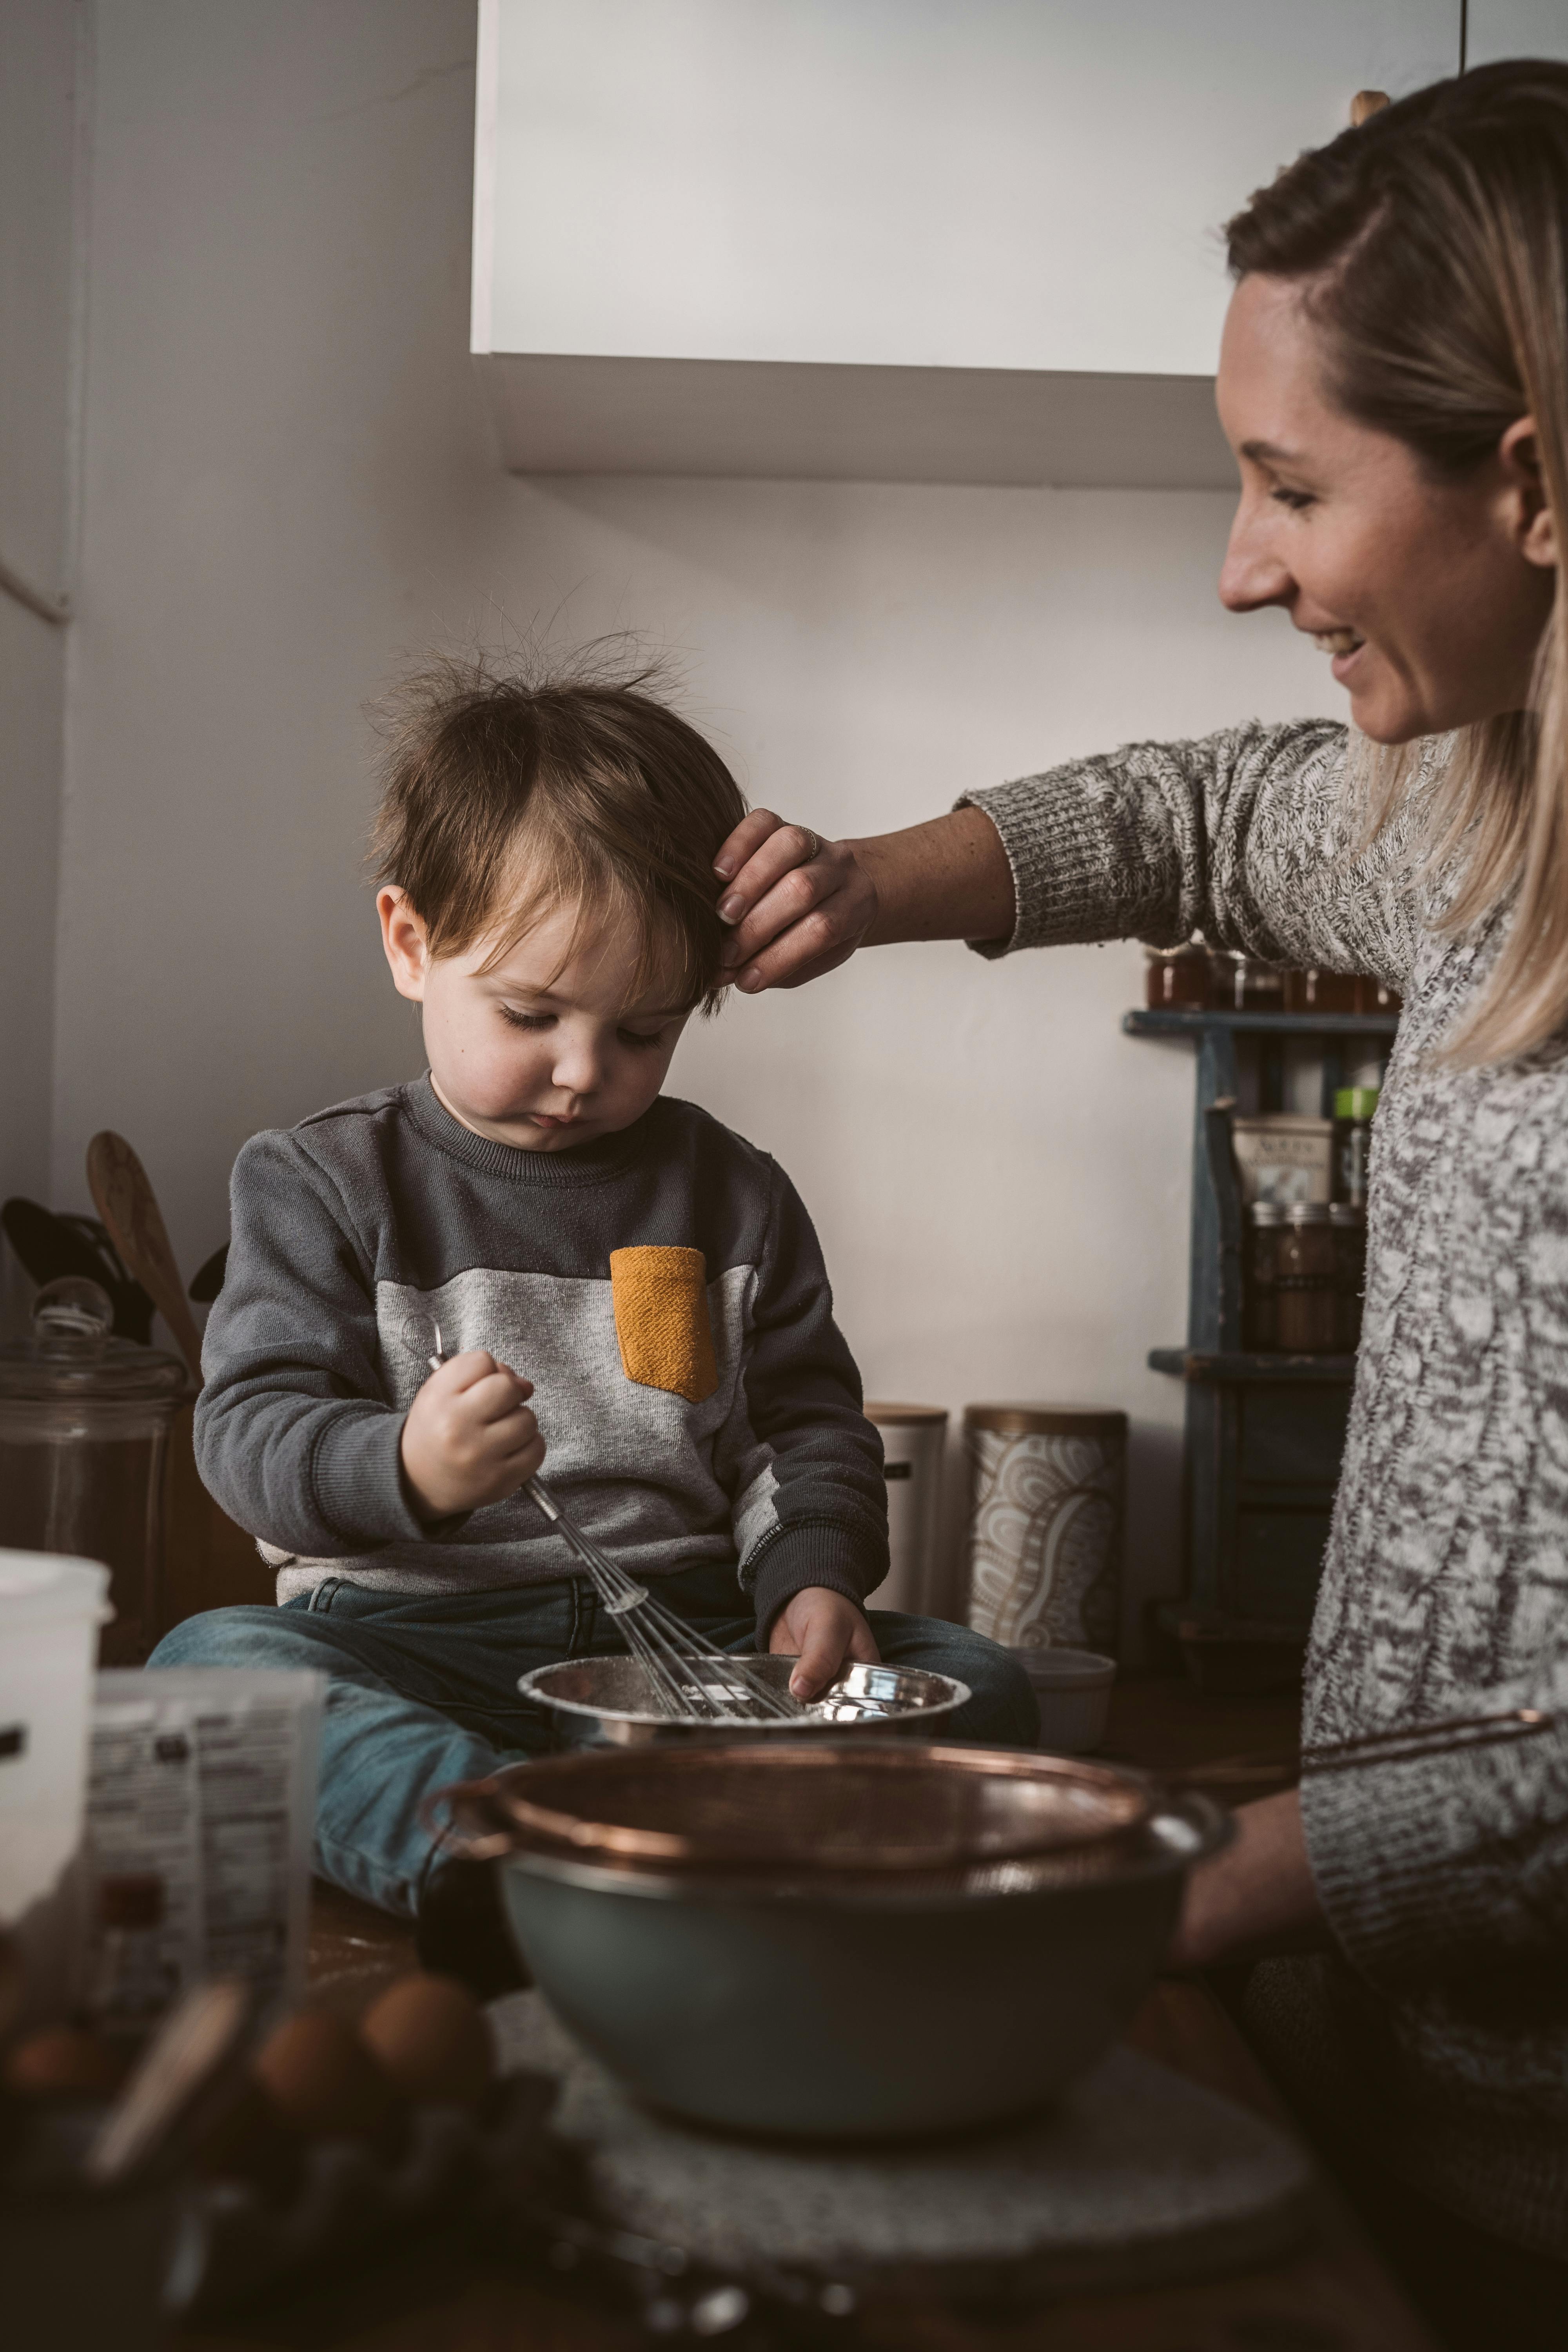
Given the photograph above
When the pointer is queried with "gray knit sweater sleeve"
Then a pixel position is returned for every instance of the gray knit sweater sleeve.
(1248, 836)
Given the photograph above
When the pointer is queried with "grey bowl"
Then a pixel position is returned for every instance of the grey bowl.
(606, 1702)
(872, 2010)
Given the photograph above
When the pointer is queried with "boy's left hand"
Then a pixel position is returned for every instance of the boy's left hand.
(828, 1631)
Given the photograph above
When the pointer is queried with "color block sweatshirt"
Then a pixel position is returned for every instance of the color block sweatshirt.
(662, 1288)
(1435, 2035)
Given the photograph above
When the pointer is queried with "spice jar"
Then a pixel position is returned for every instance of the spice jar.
(84, 1418)
(1314, 991)
(1242, 983)
(1304, 1281)
(1354, 1110)
(1177, 979)
(1261, 1320)
(1347, 1223)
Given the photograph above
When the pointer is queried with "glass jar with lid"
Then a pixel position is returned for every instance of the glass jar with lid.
(84, 1423)
(1265, 1221)
(1347, 1223)
(1305, 1303)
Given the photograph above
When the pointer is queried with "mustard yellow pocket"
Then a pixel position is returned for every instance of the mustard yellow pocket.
(661, 1320)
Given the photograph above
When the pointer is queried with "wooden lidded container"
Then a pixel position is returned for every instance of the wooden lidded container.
(913, 1439)
(1048, 1499)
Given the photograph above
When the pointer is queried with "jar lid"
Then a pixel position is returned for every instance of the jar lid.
(1266, 1212)
(1356, 1102)
(1346, 1212)
(1306, 1213)
(72, 1354)
(1046, 1420)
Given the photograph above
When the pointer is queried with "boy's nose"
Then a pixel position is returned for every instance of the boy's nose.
(576, 1067)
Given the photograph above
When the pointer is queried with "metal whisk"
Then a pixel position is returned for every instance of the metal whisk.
(688, 1675)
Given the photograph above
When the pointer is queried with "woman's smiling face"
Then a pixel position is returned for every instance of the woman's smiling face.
(1428, 595)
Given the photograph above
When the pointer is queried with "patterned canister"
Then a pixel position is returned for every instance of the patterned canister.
(1048, 1489)
(914, 1437)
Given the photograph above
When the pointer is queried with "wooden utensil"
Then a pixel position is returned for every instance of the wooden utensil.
(126, 1202)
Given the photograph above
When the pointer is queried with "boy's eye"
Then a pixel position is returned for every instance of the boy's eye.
(634, 1037)
(1294, 500)
(526, 1020)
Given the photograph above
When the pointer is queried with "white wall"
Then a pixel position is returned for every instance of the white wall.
(289, 486)
(38, 154)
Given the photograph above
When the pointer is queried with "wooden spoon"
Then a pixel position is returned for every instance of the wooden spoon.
(126, 1202)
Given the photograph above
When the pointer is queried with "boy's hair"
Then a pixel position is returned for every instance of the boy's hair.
(505, 797)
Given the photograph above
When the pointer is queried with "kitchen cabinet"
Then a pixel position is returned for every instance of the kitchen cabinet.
(1516, 28)
(891, 239)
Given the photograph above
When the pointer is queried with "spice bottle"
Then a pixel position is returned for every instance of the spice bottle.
(1265, 1221)
(1347, 1223)
(1354, 1108)
(1177, 979)
(1242, 983)
(1305, 1321)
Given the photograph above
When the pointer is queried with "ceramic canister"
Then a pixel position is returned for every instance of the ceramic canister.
(1048, 1486)
(913, 1436)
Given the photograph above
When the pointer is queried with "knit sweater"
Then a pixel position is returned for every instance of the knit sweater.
(662, 1288)
(1435, 2034)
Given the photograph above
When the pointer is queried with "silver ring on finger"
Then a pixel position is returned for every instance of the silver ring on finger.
(815, 839)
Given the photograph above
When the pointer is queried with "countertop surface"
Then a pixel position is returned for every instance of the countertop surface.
(1331, 2294)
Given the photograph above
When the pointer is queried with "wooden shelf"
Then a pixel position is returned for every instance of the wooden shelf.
(1245, 1364)
(1170, 1022)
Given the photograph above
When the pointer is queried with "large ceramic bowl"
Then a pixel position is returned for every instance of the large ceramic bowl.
(832, 2003)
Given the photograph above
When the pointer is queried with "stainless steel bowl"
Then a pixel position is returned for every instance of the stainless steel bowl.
(827, 2004)
(607, 1702)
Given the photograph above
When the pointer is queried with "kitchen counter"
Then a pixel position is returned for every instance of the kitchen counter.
(1333, 2294)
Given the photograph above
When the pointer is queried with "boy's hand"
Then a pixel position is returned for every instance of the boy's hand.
(470, 1437)
(828, 1631)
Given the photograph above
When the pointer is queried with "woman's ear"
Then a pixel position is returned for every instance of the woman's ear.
(1535, 535)
(403, 937)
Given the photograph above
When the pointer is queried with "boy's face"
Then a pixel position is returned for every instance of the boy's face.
(546, 1050)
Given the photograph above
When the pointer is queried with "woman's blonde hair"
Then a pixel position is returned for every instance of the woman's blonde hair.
(1434, 241)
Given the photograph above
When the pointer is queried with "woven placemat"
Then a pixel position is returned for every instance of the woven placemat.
(1135, 2175)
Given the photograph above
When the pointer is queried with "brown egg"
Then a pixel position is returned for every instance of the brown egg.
(63, 2062)
(429, 2036)
(320, 2081)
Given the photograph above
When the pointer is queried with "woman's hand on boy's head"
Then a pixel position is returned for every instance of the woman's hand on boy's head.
(828, 1631)
(468, 1437)
(797, 905)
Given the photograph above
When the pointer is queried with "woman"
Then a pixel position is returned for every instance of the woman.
(1394, 380)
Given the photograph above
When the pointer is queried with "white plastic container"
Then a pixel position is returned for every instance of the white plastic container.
(913, 1439)
(50, 1610)
(1073, 1687)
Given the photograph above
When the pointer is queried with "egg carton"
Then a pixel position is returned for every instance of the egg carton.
(232, 2242)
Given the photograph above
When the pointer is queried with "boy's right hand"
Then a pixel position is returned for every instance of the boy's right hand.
(468, 1437)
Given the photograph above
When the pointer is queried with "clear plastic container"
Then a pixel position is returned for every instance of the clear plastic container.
(50, 1610)
(84, 1422)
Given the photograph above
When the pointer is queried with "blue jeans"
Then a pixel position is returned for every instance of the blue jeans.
(422, 1691)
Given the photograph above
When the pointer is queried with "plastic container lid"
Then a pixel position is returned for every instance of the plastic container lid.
(1306, 1213)
(1266, 1212)
(73, 1355)
(1356, 1102)
(1346, 1212)
(36, 1587)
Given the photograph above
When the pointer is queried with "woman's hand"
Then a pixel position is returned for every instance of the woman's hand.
(799, 905)
(1256, 1897)
(827, 1629)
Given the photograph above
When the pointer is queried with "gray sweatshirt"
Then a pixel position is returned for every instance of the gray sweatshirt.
(1435, 2034)
(663, 1289)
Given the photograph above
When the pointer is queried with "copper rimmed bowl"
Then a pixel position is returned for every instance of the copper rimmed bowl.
(862, 1940)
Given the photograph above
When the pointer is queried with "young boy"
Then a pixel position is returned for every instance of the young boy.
(614, 1279)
